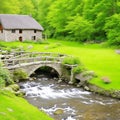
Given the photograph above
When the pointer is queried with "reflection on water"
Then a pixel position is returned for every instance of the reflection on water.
(75, 103)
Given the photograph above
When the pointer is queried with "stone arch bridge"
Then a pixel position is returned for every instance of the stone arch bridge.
(31, 61)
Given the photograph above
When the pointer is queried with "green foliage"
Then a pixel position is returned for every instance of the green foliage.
(86, 20)
(80, 28)
(78, 69)
(9, 6)
(59, 14)
(5, 77)
(112, 27)
(26, 7)
(19, 74)
(71, 61)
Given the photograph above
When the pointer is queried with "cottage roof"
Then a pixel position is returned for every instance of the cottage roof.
(13, 21)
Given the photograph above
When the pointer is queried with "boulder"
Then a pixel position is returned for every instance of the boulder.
(20, 93)
(86, 88)
(60, 80)
(58, 111)
(14, 87)
(86, 75)
(106, 79)
(70, 82)
(9, 89)
(117, 51)
(30, 47)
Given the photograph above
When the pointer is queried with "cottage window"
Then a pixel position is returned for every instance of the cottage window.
(20, 31)
(13, 31)
(35, 31)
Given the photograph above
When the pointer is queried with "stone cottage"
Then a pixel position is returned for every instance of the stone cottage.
(19, 27)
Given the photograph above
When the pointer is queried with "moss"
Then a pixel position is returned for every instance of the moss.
(19, 74)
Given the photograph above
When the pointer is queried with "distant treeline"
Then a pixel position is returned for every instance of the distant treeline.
(78, 20)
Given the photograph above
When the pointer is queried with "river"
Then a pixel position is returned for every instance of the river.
(75, 103)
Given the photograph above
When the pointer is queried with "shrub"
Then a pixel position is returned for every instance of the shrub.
(5, 77)
(19, 74)
(71, 61)
(78, 69)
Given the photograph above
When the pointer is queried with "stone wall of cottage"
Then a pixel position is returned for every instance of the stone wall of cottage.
(8, 35)
(2, 35)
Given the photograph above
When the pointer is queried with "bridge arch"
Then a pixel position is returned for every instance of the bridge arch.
(33, 68)
(46, 70)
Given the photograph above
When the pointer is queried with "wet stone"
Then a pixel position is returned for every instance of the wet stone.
(58, 111)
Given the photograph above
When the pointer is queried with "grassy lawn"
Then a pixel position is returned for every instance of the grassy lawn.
(17, 108)
(103, 61)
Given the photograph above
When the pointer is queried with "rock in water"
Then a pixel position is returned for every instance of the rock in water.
(14, 87)
(58, 111)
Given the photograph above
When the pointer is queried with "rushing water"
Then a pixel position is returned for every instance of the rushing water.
(48, 95)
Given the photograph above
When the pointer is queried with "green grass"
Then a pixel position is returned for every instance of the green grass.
(103, 61)
(16, 108)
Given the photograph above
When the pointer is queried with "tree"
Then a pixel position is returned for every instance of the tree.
(102, 10)
(26, 7)
(9, 6)
(59, 14)
(80, 29)
(112, 28)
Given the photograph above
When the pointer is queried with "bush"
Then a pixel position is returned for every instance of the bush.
(78, 69)
(5, 77)
(71, 61)
(82, 31)
(19, 74)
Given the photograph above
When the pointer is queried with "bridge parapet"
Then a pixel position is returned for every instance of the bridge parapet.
(28, 57)
(30, 54)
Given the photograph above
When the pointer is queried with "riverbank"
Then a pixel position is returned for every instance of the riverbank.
(17, 108)
(98, 90)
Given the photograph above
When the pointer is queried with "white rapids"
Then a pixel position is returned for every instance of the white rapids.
(33, 89)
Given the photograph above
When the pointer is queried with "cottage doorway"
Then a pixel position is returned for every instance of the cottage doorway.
(20, 39)
(33, 37)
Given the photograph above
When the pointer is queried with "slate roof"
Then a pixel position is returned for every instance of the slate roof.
(13, 21)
